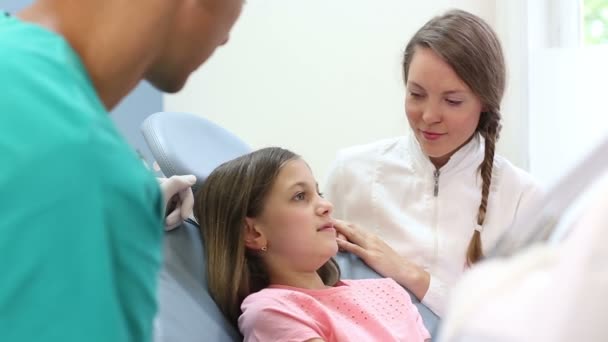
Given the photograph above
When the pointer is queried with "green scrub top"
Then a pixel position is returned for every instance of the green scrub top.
(80, 215)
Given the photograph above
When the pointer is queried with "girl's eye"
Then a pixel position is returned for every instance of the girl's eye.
(300, 196)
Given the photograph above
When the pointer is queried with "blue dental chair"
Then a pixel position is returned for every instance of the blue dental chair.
(184, 143)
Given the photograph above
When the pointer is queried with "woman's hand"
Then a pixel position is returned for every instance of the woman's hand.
(378, 255)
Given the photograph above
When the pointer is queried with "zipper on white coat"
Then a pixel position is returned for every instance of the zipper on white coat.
(435, 216)
(436, 188)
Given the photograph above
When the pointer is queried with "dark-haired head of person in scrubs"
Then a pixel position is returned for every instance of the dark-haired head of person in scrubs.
(81, 219)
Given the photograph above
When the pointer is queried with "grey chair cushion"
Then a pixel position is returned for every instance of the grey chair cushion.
(186, 311)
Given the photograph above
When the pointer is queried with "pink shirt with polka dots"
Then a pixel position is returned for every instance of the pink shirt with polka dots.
(353, 310)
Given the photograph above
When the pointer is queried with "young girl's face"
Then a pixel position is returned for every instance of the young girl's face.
(296, 221)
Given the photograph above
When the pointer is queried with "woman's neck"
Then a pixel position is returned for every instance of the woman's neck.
(440, 162)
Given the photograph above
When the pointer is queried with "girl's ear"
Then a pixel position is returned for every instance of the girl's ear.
(254, 236)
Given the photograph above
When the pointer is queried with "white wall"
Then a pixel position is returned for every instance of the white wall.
(317, 75)
(568, 114)
(568, 87)
(511, 26)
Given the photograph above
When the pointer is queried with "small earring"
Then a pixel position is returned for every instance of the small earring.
(264, 249)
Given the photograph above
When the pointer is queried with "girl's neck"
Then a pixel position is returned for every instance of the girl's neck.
(304, 280)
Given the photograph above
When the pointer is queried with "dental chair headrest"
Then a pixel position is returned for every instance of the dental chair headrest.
(184, 143)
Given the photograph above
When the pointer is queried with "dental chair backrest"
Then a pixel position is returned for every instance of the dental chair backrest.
(185, 143)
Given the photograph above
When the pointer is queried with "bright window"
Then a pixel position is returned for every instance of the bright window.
(595, 22)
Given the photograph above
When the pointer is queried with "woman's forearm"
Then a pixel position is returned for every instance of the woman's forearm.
(415, 279)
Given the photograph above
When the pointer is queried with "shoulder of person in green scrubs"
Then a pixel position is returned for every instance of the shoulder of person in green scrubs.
(81, 218)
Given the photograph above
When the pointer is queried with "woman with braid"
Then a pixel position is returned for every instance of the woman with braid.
(423, 208)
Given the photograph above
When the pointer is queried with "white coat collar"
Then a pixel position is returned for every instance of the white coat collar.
(469, 155)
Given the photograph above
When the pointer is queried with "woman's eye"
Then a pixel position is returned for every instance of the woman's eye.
(300, 196)
(415, 95)
(453, 102)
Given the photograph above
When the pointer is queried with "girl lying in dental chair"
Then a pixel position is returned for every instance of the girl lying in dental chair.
(270, 241)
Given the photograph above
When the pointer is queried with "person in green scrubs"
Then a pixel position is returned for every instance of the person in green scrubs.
(81, 218)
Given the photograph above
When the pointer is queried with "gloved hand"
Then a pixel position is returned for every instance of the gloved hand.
(178, 199)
